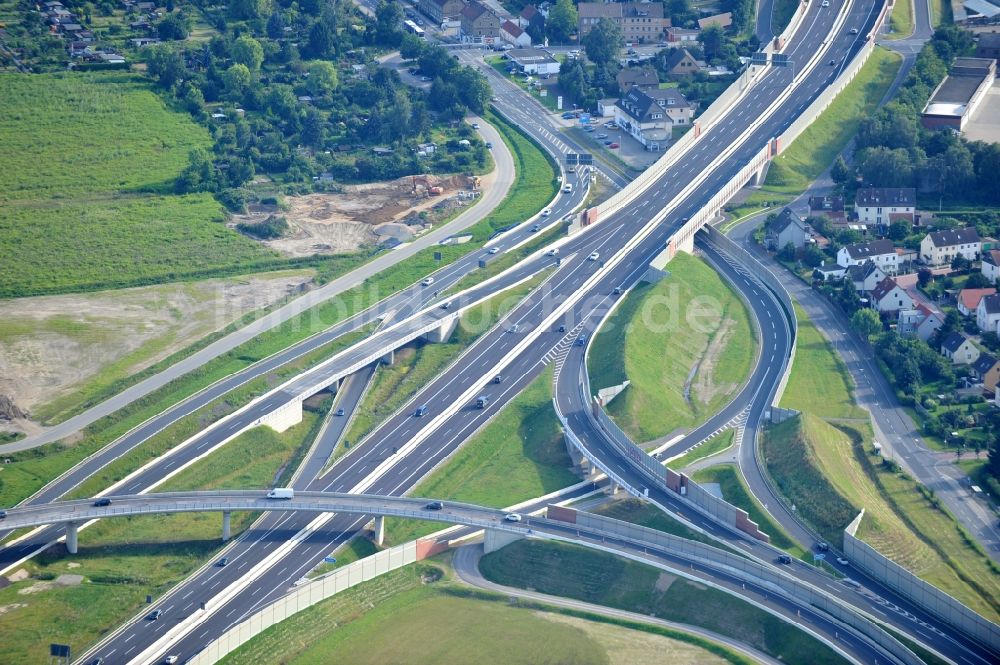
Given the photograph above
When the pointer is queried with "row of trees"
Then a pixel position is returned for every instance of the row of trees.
(892, 149)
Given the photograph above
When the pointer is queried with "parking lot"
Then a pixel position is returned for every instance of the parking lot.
(600, 136)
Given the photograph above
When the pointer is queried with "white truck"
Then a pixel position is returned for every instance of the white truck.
(281, 493)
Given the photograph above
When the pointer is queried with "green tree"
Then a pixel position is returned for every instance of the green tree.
(323, 77)
(473, 89)
(712, 40)
(237, 79)
(165, 65)
(172, 27)
(250, 8)
(899, 230)
(411, 47)
(867, 322)
(320, 40)
(603, 42)
(275, 26)
(248, 51)
(840, 171)
(812, 256)
(924, 276)
(388, 23)
(562, 20)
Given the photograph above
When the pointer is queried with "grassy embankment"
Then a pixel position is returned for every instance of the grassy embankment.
(518, 455)
(821, 463)
(716, 444)
(605, 579)
(816, 148)
(901, 19)
(418, 614)
(533, 189)
(688, 333)
(123, 559)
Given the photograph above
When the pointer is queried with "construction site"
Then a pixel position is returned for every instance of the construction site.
(382, 213)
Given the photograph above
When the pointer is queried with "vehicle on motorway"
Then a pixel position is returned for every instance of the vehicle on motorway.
(842, 561)
(101, 503)
(281, 493)
(571, 169)
(421, 412)
(493, 250)
(514, 328)
(535, 228)
(446, 305)
(428, 281)
(617, 291)
(512, 517)
(154, 615)
(823, 547)
(482, 401)
(3, 514)
(97, 661)
(170, 659)
(613, 146)
(825, 3)
(854, 31)
(498, 378)
(581, 340)
(340, 412)
(854, 584)
(562, 328)
(832, 63)
(552, 252)
(594, 256)
(223, 562)
(434, 505)
(568, 189)
(546, 212)
(785, 559)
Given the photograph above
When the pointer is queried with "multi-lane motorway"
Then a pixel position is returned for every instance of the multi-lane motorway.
(280, 549)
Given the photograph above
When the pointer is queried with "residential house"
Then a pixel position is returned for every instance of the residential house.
(884, 205)
(880, 252)
(479, 23)
(968, 300)
(606, 107)
(787, 228)
(442, 10)
(988, 313)
(831, 207)
(644, 78)
(723, 20)
(988, 45)
(681, 64)
(905, 256)
(639, 21)
(534, 61)
(986, 369)
(929, 325)
(682, 35)
(959, 349)
(865, 276)
(909, 321)
(889, 297)
(830, 272)
(532, 20)
(991, 265)
(940, 247)
(650, 115)
(514, 35)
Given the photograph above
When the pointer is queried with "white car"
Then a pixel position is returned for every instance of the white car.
(428, 281)
(842, 561)
(594, 256)
(546, 212)
(512, 517)
(825, 3)
(552, 252)
(854, 31)
(170, 659)
(493, 250)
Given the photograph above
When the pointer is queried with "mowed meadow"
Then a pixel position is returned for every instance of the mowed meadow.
(88, 164)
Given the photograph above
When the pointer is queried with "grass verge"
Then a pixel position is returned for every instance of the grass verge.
(517, 456)
(902, 19)
(685, 344)
(714, 445)
(816, 148)
(605, 579)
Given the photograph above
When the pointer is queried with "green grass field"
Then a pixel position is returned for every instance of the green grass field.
(658, 335)
(89, 162)
(644, 514)
(819, 382)
(714, 445)
(124, 559)
(517, 456)
(605, 579)
(902, 19)
(735, 491)
(816, 148)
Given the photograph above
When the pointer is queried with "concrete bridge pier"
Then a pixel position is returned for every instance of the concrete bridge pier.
(441, 334)
(285, 417)
(614, 488)
(378, 532)
(495, 539)
(71, 537)
(579, 460)
(226, 526)
(389, 358)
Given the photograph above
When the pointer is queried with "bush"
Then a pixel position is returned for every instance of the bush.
(271, 228)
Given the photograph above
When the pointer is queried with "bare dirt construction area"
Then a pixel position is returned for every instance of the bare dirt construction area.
(369, 214)
(53, 346)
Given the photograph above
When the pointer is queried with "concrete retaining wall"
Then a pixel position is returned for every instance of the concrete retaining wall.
(305, 597)
(747, 569)
(926, 595)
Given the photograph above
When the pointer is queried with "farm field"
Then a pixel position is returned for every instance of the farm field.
(85, 194)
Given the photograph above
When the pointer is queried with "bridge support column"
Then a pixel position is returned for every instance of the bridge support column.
(579, 459)
(686, 245)
(284, 418)
(226, 526)
(389, 358)
(441, 334)
(379, 532)
(613, 488)
(71, 537)
(495, 540)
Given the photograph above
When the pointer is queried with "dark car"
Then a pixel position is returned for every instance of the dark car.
(498, 378)
(223, 562)
(421, 412)
(785, 559)
(340, 412)
(823, 547)
(562, 328)
(434, 505)
(617, 291)
(154, 615)
(101, 503)
(3, 514)
(536, 228)
(581, 340)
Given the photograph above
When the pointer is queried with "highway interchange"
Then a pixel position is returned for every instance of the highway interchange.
(401, 451)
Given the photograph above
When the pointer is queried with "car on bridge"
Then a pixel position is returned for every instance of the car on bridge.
(512, 517)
